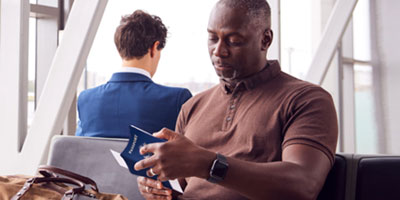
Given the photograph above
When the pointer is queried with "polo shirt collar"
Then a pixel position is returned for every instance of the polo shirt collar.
(269, 72)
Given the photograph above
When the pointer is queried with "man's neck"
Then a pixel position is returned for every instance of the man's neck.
(141, 64)
(232, 83)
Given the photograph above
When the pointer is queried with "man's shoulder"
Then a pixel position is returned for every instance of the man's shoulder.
(169, 88)
(202, 96)
(296, 85)
(88, 96)
(299, 91)
(90, 91)
(179, 92)
(151, 86)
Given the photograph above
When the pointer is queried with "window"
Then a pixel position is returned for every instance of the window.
(31, 69)
(296, 33)
(184, 61)
(366, 136)
(365, 122)
(302, 25)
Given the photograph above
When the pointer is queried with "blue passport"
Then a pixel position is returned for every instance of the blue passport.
(131, 155)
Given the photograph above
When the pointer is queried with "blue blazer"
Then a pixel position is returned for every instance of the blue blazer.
(128, 98)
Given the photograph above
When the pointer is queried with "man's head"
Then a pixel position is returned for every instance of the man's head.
(239, 37)
(138, 33)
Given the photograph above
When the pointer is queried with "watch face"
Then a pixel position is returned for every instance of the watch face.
(219, 170)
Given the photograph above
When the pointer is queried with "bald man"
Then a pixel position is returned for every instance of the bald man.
(259, 134)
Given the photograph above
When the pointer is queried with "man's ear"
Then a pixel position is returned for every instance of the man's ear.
(267, 39)
(154, 48)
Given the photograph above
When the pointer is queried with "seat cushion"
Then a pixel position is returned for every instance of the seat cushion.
(378, 178)
(334, 187)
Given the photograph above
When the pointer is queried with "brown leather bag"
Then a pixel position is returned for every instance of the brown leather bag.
(52, 183)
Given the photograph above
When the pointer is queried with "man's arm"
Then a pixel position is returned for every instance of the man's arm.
(299, 175)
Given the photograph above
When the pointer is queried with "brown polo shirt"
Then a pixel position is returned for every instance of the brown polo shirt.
(255, 121)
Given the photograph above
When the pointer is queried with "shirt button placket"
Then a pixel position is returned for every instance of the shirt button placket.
(232, 110)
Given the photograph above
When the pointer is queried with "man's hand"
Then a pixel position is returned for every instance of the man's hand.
(176, 158)
(152, 189)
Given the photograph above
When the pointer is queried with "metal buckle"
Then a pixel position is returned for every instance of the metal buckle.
(68, 195)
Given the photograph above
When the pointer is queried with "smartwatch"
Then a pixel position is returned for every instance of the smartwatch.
(218, 169)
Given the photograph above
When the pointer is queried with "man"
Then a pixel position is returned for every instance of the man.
(260, 134)
(131, 97)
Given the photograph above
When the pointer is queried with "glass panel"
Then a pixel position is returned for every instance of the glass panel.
(184, 61)
(296, 36)
(0, 18)
(361, 31)
(364, 110)
(32, 69)
(302, 25)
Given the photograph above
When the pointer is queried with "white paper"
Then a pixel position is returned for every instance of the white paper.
(119, 159)
(174, 183)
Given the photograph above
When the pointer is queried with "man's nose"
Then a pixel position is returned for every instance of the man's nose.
(221, 50)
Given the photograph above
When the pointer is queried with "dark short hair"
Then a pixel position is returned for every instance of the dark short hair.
(137, 33)
(259, 10)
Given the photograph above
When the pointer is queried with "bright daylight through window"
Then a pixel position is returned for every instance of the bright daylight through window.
(184, 61)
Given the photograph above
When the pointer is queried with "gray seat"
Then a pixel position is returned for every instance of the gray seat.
(91, 157)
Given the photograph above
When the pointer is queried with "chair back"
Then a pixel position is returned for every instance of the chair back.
(335, 184)
(378, 178)
(91, 157)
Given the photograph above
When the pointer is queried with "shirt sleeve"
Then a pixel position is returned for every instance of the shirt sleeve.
(79, 131)
(182, 119)
(183, 97)
(312, 121)
(180, 122)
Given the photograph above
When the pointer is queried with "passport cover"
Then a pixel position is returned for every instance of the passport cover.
(131, 155)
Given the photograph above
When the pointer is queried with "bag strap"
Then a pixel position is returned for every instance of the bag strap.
(28, 184)
(69, 174)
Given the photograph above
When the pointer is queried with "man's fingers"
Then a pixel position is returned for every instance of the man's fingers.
(166, 195)
(148, 148)
(149, 196)
(153, 189)
(145, 163)
(166, 134)
(151, 172)
(149, 182)
(162, 178)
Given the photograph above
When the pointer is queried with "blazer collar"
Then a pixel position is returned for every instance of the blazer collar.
(129, 77)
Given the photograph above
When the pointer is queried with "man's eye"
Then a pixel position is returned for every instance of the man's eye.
(213, 39)
(235, 42)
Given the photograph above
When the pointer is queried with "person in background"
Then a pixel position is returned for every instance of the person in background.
(259, 134)
(130, 97)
